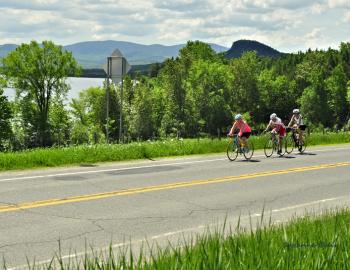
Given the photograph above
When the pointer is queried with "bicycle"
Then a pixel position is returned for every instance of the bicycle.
(272, 146)
(294, 140)
(234, 148)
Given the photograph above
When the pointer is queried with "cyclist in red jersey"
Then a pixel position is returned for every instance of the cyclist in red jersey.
(244, 130)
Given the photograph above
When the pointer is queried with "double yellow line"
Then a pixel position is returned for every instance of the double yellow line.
(132, 191)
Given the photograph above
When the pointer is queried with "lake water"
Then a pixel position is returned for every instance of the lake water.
(77, 85)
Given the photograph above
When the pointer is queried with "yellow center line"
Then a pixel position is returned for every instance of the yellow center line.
(115, 193)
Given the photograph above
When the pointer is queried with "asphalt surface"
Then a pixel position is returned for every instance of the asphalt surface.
(162, 200)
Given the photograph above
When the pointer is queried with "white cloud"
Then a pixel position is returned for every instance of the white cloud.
(285, 24)
(346, 18)
(319, 8)
(339, 3)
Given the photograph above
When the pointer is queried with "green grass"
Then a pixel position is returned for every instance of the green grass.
(90, 154)
(311, 242)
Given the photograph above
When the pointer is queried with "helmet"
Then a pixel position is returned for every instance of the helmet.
(296, 111)
(273, 116)
(238, 117)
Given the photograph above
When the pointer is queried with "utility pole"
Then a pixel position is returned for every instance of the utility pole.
(121, 106)
(109, 62)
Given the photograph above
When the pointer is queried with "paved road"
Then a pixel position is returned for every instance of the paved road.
(160, 200)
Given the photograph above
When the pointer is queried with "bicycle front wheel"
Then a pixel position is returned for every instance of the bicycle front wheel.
(283, 149)
(248, 150)
(232, 151)
(268, 148)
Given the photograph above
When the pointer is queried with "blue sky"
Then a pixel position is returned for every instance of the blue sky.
(287, 25)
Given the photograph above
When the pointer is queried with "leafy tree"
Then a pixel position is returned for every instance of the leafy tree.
(38, 72)
(5, 116)
(89, 114)
(311, 74)
(337, 100)
(194, 51)
(273, 91)
(171, 79)
(245, 92)
(142, 120)
(90, 110)
(345, 57)
(60, 123)
(208, 97)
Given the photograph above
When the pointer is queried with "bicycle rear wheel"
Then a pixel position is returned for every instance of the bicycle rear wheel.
(248, 150)
(302, 146)
(232, 151)
(289, 144)
(268, 148)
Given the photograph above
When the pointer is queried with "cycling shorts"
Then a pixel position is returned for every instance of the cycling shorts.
(244, 134)
(281, 131)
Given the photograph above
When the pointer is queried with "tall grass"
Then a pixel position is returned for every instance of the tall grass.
(312, 242)
(89, 154)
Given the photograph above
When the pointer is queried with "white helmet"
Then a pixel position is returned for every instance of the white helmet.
(273, 116)
(238, 117)
(296, 111)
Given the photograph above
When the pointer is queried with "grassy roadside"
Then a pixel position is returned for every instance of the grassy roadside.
(311, 242)
(102, 153)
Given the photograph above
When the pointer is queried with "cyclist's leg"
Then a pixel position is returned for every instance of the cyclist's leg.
(245, 137)
(239, 139)
(281, 135)
(280, 142)
(244, 140)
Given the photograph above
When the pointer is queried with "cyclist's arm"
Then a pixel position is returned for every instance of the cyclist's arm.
(291, 122)
(268, 127)
(232, 129)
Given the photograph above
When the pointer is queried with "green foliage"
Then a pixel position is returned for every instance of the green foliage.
(38, 72)
(5, 116)
(59, 122)
(245, 94)
(80, 134)
(195, 94)
(337, 100)
(89, 114)
(273, 92)
(208, 94)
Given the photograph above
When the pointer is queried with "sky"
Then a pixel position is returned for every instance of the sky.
(286, 25)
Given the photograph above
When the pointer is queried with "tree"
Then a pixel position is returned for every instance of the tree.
(194, 51)
(311, 76)
(39, 72)
(60, 123)
(337, 100)
(208, 97)
(277, 94)
(142, 114)
(245, 92)
(171, 81)
(5, 116)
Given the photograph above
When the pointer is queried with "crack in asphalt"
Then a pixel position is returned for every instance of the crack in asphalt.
(30, 243)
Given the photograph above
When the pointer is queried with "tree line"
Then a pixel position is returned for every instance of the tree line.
(195, 94)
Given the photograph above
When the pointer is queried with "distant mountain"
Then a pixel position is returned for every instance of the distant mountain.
(6, 48)
(93, 54)
(241, 46)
